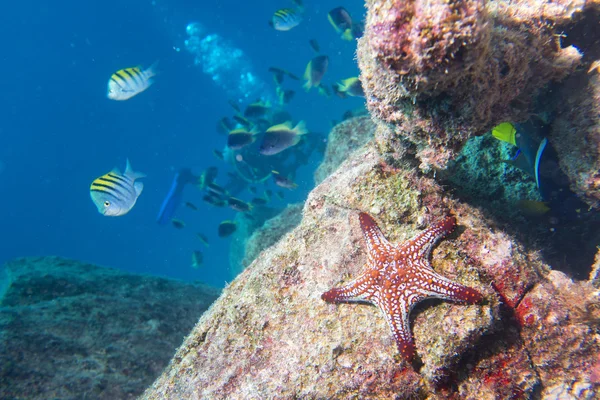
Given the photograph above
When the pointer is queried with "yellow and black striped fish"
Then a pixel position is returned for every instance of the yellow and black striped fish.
(127, 82)
(114, 194)
(286, 19)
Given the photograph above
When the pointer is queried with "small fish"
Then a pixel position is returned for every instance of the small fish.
(279, 73)
(280, 137)
(284, 96)
(224, 126)
(174, 196)
(216, 190)
(315, 45)
(214, 200)
(226, 228)
(315, 70)
(239, 138)
(234, 105)
(239, 205)
(351, 87)
(242, 121)
(280, 194)
(257, 109)
(283, 182)
(259, 201)
(218, 154)
(197, 258)
(203, 239)
(533, 208)
(127, 82)
(208, 176)
(191, 206)
(114, 194)
(341, 21)
(177, 223)
(285, 19)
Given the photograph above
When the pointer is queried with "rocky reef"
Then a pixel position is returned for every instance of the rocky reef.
(270, 334)
(438, 73)
(70, 330)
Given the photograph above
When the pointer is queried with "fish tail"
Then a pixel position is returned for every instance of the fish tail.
(307, 85)
(300, 128)
(505, 132)
(151, 70)
(130, 173)
(347, 35)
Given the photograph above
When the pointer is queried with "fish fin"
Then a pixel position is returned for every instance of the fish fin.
(300, 129)
(347, 35)
(129, 172)
(520, 162)
(307, 85)
(505, 132)
(138, 186)
(538, 157)
(151, 70)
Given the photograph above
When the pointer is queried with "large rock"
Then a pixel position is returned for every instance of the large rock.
(70, 330)
(438, 72)
(271, 336)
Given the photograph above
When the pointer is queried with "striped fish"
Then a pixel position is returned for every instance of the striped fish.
(127, 82)
(285, 19)
(115, 193)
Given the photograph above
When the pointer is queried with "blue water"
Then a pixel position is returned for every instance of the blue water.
(59, 131)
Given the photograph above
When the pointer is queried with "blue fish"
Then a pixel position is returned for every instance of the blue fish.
(175, 196)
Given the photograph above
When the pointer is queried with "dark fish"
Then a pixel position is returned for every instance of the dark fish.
(257, 110)
(177, 223)
(315, 45)
(214, 200)
(351, 87)
(239, 205)
(208, 176)
(226, 228)
(259, 201)
(202, 239)
(239, 138)
(191, 206)
(283, 182)
(224, 126)
(278, 75)
(315, 70)
(216, 190)
(285, 19)
(114, 193)
(280, 137)
(197, 259)
(341, 21)
(218, 154)
(242, 121)
(284, 96)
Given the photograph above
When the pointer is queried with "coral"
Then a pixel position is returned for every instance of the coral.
(72, 330)
(271, 336)
(439, 72)
(343, 139)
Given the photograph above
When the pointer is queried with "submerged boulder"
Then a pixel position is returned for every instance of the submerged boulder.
(71, 330)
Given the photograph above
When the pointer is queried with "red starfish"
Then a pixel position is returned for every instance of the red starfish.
(399, 276)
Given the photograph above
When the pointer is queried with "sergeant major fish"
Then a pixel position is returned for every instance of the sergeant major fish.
(127, 82)
(114, 193)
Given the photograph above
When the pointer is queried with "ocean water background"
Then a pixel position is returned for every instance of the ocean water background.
(59, 131)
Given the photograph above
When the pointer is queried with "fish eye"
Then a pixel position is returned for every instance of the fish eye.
(106, 203)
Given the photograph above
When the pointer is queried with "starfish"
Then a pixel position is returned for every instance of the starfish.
(398, 276)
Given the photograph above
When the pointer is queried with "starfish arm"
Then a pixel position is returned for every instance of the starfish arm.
(360, 289)
(396, 311)
(437, 286)
(378, 246)
(420, 247)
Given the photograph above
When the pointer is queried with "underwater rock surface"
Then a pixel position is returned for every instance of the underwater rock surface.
(71, 330)
(437, 73)
(270, 335)
(343, 139)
